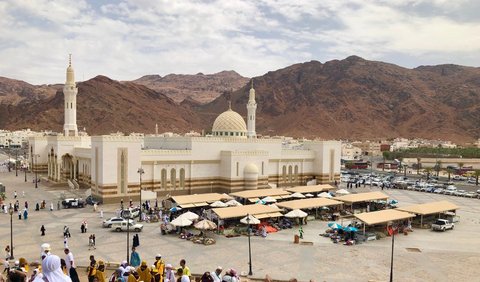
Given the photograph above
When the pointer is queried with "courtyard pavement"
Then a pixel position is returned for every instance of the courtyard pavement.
(448, 256)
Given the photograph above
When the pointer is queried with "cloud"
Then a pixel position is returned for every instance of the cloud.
(127, 39)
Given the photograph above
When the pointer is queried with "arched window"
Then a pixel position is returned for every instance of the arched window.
(290, 173)
(295, 175)
(284, 174)
(173, 178)
(122, 173)
(182, 178)
(164, 179)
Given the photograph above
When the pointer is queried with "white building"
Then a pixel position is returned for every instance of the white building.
(232, 159)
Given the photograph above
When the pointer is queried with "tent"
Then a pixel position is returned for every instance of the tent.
(296, 213)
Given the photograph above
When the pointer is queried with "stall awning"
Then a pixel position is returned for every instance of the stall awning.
(311, 188)
(198, 200)
(260, 193)
(384, 216)
(308, 203)
(430, 208)
(362, 197)
(241, 211)
(268, 215)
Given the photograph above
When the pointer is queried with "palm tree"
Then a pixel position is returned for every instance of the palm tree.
(428, 170)
(477, 175)
(449, 171)
(438, 167)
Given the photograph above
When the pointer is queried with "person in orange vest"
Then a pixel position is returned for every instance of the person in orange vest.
(159, 268)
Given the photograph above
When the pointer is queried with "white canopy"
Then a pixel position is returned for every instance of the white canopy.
(251, 220)
(189, 215)
(342, 191)
(181, 221)
(309, 195)
(233, 203)
(297, 195)
(269, 199)
(296, 213)
(325, 195)
(218, 204)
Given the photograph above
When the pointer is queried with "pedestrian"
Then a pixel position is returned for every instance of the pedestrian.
(15, 194)
(216, 275)
(186, 270)
(19, 215)
(51, 206)
(300, 231)
(82, 227)
(37, 207)
(42, 229)
(65, 242)
(101, 272)
(26, 204)
(101, 213)
(93, 237)
(25, 214)
(94, 207)
(23, 194)
(121, 204)
(91, 271)
(134, 258)
(70, 262)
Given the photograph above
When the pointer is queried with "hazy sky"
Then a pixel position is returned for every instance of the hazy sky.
(126, 39)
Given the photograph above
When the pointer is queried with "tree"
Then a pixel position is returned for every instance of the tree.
(449, 171)
(477, 175)
(438, 167)
(460, 165)
(418, 165)
(428, 170)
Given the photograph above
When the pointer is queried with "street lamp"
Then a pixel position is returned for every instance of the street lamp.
(249, 247)
(391, 259)
(35, 167)
(25, 161)
(128, 238)
(140, 171)
(10, 211)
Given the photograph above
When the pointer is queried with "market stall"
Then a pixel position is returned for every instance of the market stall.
(309, 203)
(382, 217)
(254, 196)
(431, 209)
(199, 200)
(311, 189)
(363, 201)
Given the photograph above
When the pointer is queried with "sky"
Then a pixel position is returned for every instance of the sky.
(127, 39)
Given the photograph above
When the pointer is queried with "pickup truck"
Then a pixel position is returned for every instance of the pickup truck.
(73, 203)
(442, 225)
(122, 226)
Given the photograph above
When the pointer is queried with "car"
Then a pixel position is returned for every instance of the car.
(90, 200)
(471, 194)
(450, 190)
(460, 193)
(442, 225)
(472, 181)
(438, 191)
(113, 220)
(73, 203)
(131, 227)
(130, 212)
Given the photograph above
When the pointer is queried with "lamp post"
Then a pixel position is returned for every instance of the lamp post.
(249, 247)
(25, 168)
(128, 238)
(391, 259)
(140, 171)
(10, 211)
(35, 167)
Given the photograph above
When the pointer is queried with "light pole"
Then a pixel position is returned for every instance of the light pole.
(128, 239)
(35, 167)
(391, 260)
(140, 171)
(10, 211)
(25, 168)
(249, 247)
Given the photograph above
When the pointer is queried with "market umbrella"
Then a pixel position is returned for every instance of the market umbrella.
(324, 195)
(190, 215)
(297, 195)
(309, 195)
(393, 202)
(174, 209)
(296, 213)
(350, 229)
(342, 191)
(233, 203)
(218, 204)
(253, 220)
(205, 224)
(334, 225)
(261, 202)
(181, 221)
(269, 199)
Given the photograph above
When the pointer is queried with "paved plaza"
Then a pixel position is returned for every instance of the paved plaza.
(448, 256)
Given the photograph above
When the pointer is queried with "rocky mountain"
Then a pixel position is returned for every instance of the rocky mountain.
(199, 87)
(103, 106)
(351, 98)
(13, 92)
(359, 99)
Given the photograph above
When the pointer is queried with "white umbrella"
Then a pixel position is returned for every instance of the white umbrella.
(181, 221)
(269, 199)
(252, 220)
(190, 215)
(309, 195)
(342, 191)
(233, 203)
(205, 225)
(218, 204)
(297, 195)
(296, 213)
(325, 195)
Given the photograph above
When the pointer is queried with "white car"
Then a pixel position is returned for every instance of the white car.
(470, 194)
(442, 225)
(438, 191)
(132, 227)
(109, 222)
(460, 193)
(450, 190)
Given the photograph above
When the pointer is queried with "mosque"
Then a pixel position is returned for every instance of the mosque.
(231, 159)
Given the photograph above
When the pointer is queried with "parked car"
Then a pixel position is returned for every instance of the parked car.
(90, 200)
(438, 191)
(442, 225)
(460, 193)
(113, 220)
(131, 227)
(471, 194)
(450, 190)
(131, 212)
(73, 203)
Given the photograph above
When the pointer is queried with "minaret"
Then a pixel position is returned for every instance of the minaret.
(70, 91)
(251, 109)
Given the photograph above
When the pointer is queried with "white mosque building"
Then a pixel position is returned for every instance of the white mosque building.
(231, 159)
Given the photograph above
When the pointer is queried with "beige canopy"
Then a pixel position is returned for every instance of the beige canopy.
(259, 211)
(311, 188)
(199, 200)
(362, 197)
(430, 208)
(384, 216)
(260, 193)
(308, 203)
